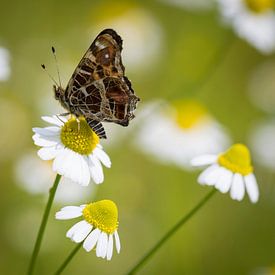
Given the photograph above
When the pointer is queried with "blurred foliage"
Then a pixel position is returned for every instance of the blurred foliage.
(198, 57)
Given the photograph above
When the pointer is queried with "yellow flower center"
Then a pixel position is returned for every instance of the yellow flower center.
(78, 136)
(237, 159)
(260, 6)
(103, 215)
(189, 113)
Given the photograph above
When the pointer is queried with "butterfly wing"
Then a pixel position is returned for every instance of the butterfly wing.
(98, 89)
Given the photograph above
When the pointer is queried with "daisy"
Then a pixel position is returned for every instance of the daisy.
(74, 147)
(231, 170)
(178, 132)
(253, 20)
(97, 229)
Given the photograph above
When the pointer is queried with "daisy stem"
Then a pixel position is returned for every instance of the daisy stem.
(168, 234)
(68, 259)
(43, 225)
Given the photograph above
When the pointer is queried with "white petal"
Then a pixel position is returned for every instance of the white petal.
(102, 156)
(73, 166)
(91, 240)
(80, 172)
(53, 120)
(204, 160)
(96, 169)
(45, 142)
(99, 146)
(223, 184)
(110, 247)
(47, 131)
(73, 229)
(209, 175)
(63, 162)
(117, 242)
(237, 189)
(252, 187)
(82, 232)
(48, 153)
(104, 246)
(99, 245)
(69, 212)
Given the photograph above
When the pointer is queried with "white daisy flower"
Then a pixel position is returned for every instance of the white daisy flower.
(74, 147)
(98, 229)
(179, 132)
(253, 20)
(231, 170)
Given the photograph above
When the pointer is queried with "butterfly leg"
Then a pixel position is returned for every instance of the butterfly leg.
(60, 115)
(64, 114)
(78, 124)
(97, 127)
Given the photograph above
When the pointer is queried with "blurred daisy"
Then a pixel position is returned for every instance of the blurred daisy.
(231, 170)
(67, 191)
(253, 20)
(97, 229)
(4, 64)
(179, 132)
(262, 137)
(74, 147)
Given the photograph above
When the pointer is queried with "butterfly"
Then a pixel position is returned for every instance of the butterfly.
(98, 88)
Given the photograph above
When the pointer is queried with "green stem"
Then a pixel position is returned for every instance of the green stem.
(68, 259)
(171, 232)
(43, 225)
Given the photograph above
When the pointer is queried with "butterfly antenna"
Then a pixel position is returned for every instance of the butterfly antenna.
(57, 67)
(44, 68)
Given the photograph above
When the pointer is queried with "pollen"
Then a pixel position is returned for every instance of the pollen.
(189, 113)
(78, 136)
(260, 6)
(102, 215)
(237, 159)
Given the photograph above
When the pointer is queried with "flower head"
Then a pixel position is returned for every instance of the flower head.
(74, 147)
(231, 170)
(177, 132)
(253, 20)
(97, 229)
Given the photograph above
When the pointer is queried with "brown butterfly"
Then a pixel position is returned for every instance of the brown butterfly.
(98, 88)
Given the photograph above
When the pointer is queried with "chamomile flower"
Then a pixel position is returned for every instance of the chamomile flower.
(178, 132)
(253, 20)
(74, 148)
(231, 170)
(98, 229)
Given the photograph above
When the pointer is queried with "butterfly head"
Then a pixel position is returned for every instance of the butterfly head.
(59, 94)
